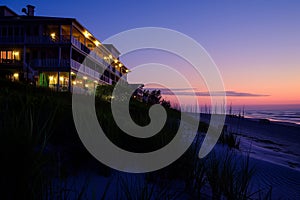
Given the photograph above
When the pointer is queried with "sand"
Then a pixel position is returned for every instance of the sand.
(274, 151)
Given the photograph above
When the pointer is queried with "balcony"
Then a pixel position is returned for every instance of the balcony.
(84, 69)
(106, 79)
(49, 63)
(11, 40)
(79, 45)
(63, 39)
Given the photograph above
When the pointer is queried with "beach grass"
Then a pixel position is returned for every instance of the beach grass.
(41, 152)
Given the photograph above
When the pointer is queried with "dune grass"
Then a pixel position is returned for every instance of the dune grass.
(40, 151)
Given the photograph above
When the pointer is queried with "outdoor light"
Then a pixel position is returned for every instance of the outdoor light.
(97, 43)
(86, 85)
(127, 70)
(120, 65)
(116, 61)
(110, 56)
(72, 73)
(61, 78)
(74, 82)
(16, 75)
(86, 34)
(51, 78)
(52, 35)
(84, 77)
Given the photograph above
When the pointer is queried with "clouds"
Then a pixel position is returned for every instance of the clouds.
(190, 92)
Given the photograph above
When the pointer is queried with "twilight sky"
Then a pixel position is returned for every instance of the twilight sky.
(255, 44)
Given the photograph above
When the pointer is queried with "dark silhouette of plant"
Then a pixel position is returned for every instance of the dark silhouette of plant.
(154, 97)
(165, 103)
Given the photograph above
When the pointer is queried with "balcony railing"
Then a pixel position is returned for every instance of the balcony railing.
(106, 79)
(84, 69)
(79, 45)
(11, 61)
(35, 39)
(11, 40)
(50, 63)
(47, 39)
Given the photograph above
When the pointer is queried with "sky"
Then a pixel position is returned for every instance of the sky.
(255, 44)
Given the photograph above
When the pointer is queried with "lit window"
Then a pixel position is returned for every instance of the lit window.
(9, 55)
(3, 54)
(16, 55)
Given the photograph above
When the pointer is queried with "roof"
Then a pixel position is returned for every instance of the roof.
(113, 49)
(6, 11)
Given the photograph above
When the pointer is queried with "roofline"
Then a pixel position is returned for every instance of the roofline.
(10, 10)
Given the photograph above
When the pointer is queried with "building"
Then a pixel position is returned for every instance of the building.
(48, 52)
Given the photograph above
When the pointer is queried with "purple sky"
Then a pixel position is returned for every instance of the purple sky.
(255, 44)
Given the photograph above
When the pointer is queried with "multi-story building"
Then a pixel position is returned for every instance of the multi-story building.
(49, 51)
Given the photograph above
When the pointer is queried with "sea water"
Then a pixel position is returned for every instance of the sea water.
(283, 113)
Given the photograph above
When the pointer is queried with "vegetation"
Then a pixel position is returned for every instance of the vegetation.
(40, 152)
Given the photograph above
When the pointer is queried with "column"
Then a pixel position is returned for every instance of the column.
(70, 81)
(58, 83)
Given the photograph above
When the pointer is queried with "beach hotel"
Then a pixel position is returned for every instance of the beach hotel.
(48, 52)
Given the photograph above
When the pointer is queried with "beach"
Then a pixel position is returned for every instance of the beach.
(274, 151)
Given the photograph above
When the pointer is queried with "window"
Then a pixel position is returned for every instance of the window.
(3, 55)
(9, 56)
(16, 55)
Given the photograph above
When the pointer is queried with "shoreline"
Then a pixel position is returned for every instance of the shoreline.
(287, 123)
(274, 150)
(272, 141)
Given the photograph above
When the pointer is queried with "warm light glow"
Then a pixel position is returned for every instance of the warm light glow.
(116, 61)
(127, 70)
(72, 73)
(110, 56)
(97, 43)
(16, 75)
(120, 65)
(51, 78)
(95, 82)
(84, 77)
(105, 57)
(52, 35)
(61, 78)
(15, 53)
(86, 85)
(86, 34)
(74, 82)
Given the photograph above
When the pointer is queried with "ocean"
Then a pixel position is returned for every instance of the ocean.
(283, 113)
